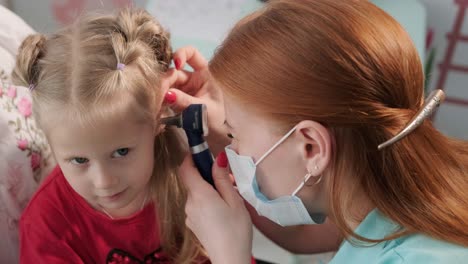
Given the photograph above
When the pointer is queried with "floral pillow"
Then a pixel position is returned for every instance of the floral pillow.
(25, 158)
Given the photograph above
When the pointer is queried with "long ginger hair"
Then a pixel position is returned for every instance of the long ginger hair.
(354, 69)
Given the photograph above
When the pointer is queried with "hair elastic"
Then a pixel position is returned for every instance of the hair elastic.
(120, 66)
(32, 87)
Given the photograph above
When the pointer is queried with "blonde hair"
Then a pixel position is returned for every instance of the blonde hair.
(76, 68)
(354, 69)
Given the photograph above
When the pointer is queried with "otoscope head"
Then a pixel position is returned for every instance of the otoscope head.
(194, 120)
(173, 121)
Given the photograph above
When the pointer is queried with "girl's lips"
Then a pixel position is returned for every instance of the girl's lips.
(114, 197)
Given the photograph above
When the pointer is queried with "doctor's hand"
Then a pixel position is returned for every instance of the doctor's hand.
(197, 87)
(219, 218)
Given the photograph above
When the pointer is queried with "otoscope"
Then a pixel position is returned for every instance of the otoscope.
(194, 121)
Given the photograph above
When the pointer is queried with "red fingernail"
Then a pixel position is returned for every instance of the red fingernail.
(177, 63)
(222, 160)
(170, 98)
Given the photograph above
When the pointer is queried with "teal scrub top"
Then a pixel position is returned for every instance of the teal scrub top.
(416, 248)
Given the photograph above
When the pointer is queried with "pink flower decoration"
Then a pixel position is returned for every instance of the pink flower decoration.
(12, 92)
(22, 144)
(1, 91)
(35, 161)
(24, 107)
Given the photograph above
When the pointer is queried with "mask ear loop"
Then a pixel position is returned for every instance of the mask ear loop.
(316, 182)
(306, 178)
(276, 145)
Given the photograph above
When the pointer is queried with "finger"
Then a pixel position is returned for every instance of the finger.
(186, 82)
(169, 78)
(181, 100)
(233, 180)
(175, 78)
(191, 177)
(191, 56)
(223, 181)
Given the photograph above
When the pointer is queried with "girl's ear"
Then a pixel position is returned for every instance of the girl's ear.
(165, 111)
(158, 129)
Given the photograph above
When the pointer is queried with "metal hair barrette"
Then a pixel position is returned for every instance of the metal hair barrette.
(434, 99)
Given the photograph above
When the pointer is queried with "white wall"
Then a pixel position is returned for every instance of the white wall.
(4, 3)
(48, 15)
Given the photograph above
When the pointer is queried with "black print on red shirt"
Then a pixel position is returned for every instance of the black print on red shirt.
(118, 256)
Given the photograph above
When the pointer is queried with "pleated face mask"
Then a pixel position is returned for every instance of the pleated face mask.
(286, 210)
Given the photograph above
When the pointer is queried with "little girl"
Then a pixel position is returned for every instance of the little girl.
(114, 196)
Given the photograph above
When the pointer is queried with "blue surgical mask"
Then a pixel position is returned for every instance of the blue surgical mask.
(286, 210)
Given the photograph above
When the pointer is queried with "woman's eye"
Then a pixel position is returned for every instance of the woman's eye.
(120, 153)
(230, 135)
(79, 161)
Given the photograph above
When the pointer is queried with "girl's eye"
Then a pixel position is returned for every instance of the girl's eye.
(79, 161)
(120, 153)
(230, 135)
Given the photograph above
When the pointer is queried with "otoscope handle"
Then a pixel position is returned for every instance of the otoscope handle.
(201, 156)
(204, 163)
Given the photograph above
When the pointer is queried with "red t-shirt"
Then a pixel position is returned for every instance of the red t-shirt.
(58, 226)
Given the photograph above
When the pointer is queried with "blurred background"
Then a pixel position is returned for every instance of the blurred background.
(438, 28)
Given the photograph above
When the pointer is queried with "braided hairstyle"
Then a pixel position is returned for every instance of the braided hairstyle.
(75, 69)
